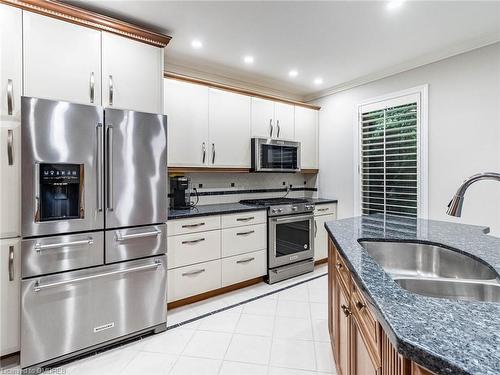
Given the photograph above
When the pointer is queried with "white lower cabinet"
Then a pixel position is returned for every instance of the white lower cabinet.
(203, 260)
(244, 267)
(191, 280)
(322, 214)
(193, 248)
(241, 240)
(10, 285)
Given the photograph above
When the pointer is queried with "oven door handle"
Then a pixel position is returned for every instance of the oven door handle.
(291, 219)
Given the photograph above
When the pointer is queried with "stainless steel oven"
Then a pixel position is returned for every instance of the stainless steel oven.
(274, 155)
(291, 239)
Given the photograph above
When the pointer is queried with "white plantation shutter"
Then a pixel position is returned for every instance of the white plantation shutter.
(389, 162)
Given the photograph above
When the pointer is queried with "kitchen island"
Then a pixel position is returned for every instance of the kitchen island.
(404, 332)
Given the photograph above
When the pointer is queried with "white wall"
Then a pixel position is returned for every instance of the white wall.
(464, 134)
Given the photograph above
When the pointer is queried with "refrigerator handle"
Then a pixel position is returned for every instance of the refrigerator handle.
(109, 195)
(99, 167)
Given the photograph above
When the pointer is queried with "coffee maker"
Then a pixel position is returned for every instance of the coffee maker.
(180, 193)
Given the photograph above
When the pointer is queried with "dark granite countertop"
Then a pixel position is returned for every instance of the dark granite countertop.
(226, 208)
(211, 209)
(445, 336)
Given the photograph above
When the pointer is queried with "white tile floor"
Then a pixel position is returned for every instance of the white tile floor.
(283, 333)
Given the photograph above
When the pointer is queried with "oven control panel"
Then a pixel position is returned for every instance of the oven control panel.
(288, 209)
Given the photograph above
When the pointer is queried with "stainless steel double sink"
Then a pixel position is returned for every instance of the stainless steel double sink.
(435, 271)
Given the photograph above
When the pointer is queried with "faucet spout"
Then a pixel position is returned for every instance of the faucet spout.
(456, 203)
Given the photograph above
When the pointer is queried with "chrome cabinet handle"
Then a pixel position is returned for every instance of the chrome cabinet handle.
(204, 150)
(111, 90)
(110, 187)
(270, 127)
(245, 218)
(193, 225)
(192, 273)
(11, 263)
(360, 305)
(40, 247)
(39, 287)
(193, 241)
(92, 85)
(245, 233)
(278, 125)
(99, 166)
(125, 237)
(323, 209)
(315, 228)
(10, 147)
(10, 97)
(245, 260)
(213, 153)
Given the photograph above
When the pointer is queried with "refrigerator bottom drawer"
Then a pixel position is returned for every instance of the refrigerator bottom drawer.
(68, 312)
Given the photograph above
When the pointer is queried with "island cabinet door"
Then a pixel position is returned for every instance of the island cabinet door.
(363, 361)
(342, 316)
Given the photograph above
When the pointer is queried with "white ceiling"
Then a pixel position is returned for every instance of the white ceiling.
(343, 41)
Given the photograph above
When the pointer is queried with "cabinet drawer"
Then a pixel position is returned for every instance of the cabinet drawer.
(368, 325)
(193, 225)
(325, 209)
(193, 248)
(342, 271)
(244, 218)
(241, 240)
(243, 267)
(188, 281)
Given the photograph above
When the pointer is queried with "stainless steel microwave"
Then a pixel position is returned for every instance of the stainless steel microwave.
(275, 155)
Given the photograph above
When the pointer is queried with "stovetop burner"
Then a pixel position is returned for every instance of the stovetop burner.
(273, 201)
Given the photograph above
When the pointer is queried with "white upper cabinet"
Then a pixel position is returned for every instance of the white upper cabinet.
(306, 132)
(62, 61)
(284, 119)
(272, 119)
(132, 74)
(229, 129)
(186, 106)
(263, 125)
(11, 32)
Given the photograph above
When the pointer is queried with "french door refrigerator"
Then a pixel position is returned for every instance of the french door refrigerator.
(94, 209)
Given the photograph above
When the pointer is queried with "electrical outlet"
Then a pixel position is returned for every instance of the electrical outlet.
(284, 183)
(200, 186)
(232, 184)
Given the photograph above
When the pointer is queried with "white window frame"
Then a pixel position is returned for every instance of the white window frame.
(421, 93)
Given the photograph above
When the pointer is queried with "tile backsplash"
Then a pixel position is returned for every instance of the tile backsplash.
(232, 187)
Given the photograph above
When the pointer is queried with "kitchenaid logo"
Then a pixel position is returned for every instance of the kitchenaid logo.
(104, 327)
(294, 257)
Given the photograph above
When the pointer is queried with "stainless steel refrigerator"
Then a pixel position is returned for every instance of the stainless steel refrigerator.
(94, 212)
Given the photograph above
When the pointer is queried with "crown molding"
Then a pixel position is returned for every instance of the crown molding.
(82, 17)
(457, 49)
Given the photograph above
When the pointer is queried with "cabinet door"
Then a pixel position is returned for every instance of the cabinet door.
(132, 74)
(10, 274)
(186, 106)
(263, 124)
(285, 121)
(361, 360)
(229, 129)
(11, 32)
(343, 323)
(10, 179)
(62, 61)
(321, 236)
(306, 132)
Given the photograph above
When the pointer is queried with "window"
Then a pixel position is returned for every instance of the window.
(392, 155)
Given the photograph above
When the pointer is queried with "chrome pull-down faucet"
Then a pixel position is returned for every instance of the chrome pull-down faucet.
(455, 205)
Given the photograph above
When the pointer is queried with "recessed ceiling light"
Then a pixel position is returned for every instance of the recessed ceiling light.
(394, 4)
(196, 44)
(293, 73)
(248, 59)
(318, 81)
